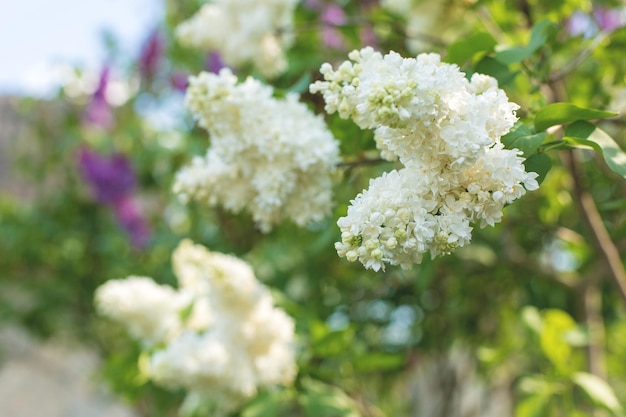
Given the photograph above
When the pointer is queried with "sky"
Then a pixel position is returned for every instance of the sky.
(39, 37)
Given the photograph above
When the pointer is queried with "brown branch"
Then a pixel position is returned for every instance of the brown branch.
(591, 217)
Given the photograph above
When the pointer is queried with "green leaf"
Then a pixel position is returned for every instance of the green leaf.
(580, 129)
(598, 390)
(379, 361)
(599, 140)
(562, 113)
(556, 323)
(527, 144)
(533, 406)
(302, 84)
(499, 71)
(539, 163)
(538, 37)
(322, 400)
(266, 404)
(465, 49)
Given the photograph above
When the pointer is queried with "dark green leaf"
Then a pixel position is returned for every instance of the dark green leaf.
(497, 70)
(562, 113)
(539, 163)
(527, 144)
(580, 129)
(266, 404)
(599, 140)
(465, 49)
(322, 400)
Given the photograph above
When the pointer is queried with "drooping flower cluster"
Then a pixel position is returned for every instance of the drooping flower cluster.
(219, 335)
(271, 157)
(445, 130)
(113, 182)
(244, 32)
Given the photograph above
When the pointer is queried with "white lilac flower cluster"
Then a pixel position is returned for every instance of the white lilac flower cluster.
(219, 335)
(445, 130)
(271, 157)
(244, 32)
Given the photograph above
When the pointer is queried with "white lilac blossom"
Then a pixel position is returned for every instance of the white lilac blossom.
(219, 335)
(445, 130)
(271, 157)
(244, 32)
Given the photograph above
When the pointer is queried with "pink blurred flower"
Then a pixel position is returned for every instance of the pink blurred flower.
(608, 19)
(150, 55)
(98, 111)
(214, 62)
(179, 81)
(333, 15)
(130, 219)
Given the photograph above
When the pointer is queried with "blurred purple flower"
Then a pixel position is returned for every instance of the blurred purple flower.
(150, 55)
(110, 178)
(98, 111)
(608, 19)
(130, 219)
(332, 38)
(179, 81)
(214, 62)
(112, 182)
(334, 15)
(368, 36)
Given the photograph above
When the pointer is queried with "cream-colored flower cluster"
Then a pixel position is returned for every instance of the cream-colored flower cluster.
(244, 32)
(219, 335)
(445, 130)
(271, 157)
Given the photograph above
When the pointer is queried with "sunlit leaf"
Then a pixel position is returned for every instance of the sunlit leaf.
(599, 140)
(540, 33)
(562, 113)
(598, 390)
(533, 406)
(556, 323)
(379, 361)
(465, 48)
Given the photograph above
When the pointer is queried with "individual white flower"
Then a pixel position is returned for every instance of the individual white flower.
(244, 32)
(271, 157)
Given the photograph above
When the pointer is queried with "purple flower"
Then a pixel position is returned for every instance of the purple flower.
(332, 38)
(179, 81)
(110, 178)
(368, 36)
(130, 219)
(150, 55)
(112, 182)
(214, 62)
(608, 19)
(333, 15)
(98, 112)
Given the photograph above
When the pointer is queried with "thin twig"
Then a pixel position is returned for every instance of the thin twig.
(359, 162)
(591, 217)
(578, 59)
